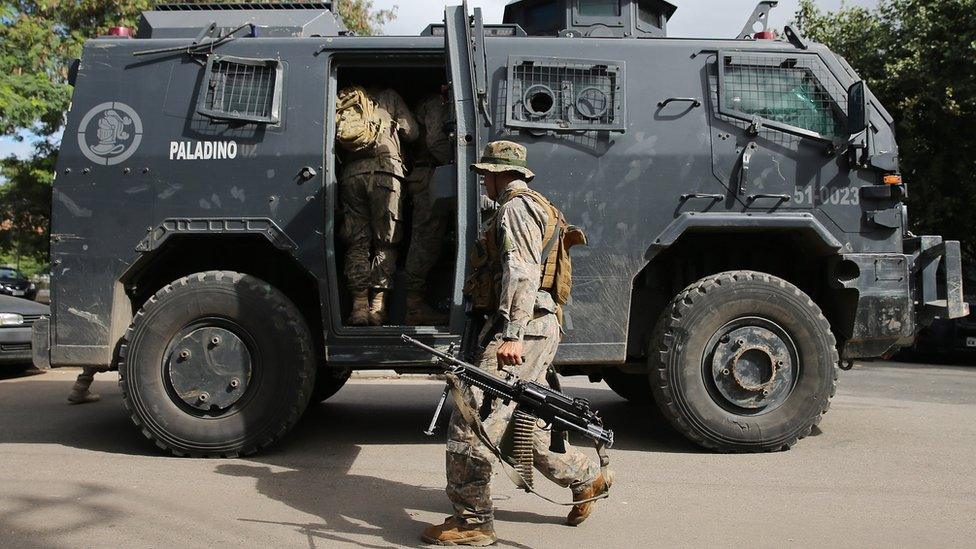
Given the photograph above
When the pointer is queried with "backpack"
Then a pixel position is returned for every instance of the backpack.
(358, 126)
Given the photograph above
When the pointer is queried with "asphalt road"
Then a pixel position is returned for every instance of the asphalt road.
(891, 466)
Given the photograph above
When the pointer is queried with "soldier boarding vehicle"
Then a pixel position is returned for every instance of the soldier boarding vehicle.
(742, 199)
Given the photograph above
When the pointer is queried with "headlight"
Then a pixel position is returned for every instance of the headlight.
(11, 319)
(32, 286)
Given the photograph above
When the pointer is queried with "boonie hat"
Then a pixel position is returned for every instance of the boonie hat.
(504, 156)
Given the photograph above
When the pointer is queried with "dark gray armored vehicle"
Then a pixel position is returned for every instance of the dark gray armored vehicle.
(742, 198)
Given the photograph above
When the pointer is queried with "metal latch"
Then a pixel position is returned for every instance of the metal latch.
(747, 153)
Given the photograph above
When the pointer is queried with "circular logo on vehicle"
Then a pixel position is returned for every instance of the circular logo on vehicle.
(110, 133)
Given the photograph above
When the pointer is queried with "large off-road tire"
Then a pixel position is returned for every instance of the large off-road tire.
(216, 364)
(743, 362)
(633, 387)
(327, 385)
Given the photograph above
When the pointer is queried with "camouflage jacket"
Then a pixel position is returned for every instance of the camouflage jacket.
(387, 156)
(435, 148)
(520, 223)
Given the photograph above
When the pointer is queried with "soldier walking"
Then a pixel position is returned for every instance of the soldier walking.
(371, 198)
(81, 390)
(521, 336)
(429, 225)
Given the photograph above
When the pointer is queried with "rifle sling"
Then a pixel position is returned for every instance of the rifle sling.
(473, 420)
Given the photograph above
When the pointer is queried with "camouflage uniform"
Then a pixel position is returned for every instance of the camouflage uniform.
(435, 149)
(524, 313)
(81, 391)
(371, 198)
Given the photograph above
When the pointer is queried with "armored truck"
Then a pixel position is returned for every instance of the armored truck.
(745, 212)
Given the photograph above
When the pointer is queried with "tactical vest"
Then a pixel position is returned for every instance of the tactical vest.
(482, 285)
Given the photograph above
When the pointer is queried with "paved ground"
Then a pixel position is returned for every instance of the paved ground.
(892, 466)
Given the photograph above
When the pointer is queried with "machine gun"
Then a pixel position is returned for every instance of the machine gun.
(561, 412)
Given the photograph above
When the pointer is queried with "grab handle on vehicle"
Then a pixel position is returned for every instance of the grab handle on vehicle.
(695, 103)
(780, 197)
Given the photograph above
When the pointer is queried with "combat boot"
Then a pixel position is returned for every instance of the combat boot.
(453, 532)
(360, 309)
(582, 511)
(377, 308)
(419, 313)
(81, 391)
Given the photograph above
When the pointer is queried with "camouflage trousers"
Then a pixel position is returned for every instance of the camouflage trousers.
(469, 463)
(427, 234)
(371, 228)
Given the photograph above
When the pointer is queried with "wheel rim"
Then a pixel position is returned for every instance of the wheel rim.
(750, 366)
(209, 367)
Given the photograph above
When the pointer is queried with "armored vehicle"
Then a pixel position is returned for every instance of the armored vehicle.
(742, 198)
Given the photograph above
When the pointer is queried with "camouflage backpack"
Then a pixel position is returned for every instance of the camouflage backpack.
(357, 124)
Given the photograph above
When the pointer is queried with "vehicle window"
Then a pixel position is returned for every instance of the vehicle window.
(242, 89)
(9, 273)
(543, 16)
(565, 94)
(598, 8)
(788, 92)
(648, 16)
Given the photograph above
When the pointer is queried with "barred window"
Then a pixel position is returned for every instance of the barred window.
(565, 94)
(795, 92)
(242, 89)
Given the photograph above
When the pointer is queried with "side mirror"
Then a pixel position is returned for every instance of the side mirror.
(857, 108)
(858, 125)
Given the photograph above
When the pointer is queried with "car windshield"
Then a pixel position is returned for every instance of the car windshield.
(9, 273)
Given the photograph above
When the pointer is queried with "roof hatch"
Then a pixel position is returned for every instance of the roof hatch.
(592, 18)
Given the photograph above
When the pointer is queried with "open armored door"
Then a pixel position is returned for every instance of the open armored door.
(467, 76)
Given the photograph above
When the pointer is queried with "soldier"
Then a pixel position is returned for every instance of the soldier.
(371, 198)
(81, 391)
(426, 238)
(521, 336)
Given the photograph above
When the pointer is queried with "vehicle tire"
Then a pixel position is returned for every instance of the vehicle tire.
(743, 362)
(216, 364)
(327, 385)
(633, 387)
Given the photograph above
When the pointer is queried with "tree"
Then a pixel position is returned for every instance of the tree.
(40, 38)
(919, 59)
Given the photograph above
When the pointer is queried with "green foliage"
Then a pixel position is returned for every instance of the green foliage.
(359, 16)
(40, 39)
(919, 58)
(27, 265)
(25, 204)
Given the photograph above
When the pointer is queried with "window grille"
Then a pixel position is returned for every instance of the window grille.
(248, 90)
(565, 95)
(793, 94)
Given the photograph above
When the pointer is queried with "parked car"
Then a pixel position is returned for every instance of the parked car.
(15, 284)
(17, 317)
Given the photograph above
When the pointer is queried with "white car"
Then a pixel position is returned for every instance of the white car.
(17, 317)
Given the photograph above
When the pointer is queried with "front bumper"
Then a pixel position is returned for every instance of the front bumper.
(937, 275)
(898, 294)
(15, 346)
(41, 343)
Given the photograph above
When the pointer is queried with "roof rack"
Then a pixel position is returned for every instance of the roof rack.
(213, 6)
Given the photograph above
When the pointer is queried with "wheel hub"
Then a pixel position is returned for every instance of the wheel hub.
(753, 364)
(209, 368)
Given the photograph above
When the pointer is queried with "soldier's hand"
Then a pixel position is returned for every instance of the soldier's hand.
(510, 353)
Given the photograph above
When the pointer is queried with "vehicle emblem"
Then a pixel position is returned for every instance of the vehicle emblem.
(110, 133)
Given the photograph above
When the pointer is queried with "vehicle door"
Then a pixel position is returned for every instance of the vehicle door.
(382, 345)
(779, 118)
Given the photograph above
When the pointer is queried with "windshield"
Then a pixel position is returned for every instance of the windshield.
(9, 273)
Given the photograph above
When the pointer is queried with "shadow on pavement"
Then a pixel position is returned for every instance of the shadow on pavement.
(319, 455)
(312, 469)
